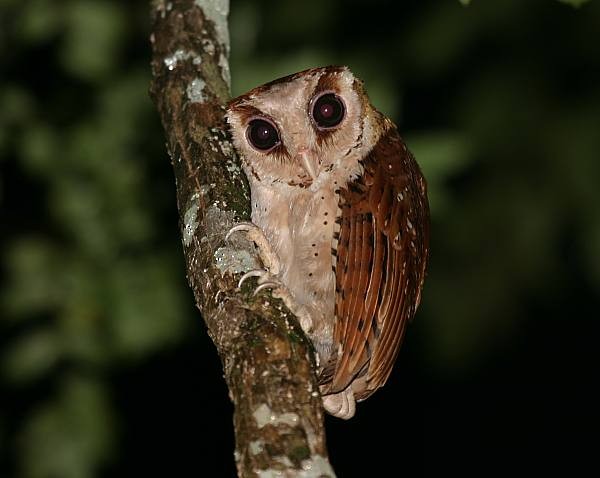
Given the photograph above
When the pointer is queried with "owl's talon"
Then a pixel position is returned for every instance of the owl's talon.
(252, 273)
(242, 226)
(266, 285)
(265, 280)
(268, 281)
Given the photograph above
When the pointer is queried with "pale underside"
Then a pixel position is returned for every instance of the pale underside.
(299, 224)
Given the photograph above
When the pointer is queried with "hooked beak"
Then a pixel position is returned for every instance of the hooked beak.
(309, 162)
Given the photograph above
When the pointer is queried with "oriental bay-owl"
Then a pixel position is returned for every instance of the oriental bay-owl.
(341, 219)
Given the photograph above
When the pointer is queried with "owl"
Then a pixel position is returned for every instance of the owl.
(341, 220)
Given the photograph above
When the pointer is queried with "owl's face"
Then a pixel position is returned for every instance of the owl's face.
(296, 128)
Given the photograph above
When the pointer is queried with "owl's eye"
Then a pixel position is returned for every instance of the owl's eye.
(328, 111)
(262, 135)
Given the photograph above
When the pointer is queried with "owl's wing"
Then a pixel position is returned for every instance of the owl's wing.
(380, 262)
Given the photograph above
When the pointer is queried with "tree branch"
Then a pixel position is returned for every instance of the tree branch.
(267, 360)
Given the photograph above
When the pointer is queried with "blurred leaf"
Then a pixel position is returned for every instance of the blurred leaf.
(100, 208)
(17, 104)
(286, 22)
(34, 272)
(31, 356)
(71, 436)
(40, 148)
(575, 3)
(91, 46)
(78, 202)
(40, 19)
(440, 155)
(244, 24)
(145, 306)
(82, 319)
(439, 39)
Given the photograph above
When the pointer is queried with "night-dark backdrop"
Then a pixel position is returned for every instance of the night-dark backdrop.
(105, 366)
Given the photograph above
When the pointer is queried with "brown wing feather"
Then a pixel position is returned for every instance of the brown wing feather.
(382, 253)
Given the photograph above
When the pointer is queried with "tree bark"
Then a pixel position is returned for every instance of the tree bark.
(267, 361)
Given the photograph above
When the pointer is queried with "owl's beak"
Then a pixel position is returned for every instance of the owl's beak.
(309, 162)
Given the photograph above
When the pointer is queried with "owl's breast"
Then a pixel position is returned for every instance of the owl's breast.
(299, 224)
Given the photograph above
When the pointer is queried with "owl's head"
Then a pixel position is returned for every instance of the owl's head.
(294, 129)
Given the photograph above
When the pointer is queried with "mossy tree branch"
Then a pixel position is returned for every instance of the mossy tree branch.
(268, 363)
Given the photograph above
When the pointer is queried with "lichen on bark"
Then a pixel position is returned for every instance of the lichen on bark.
(267, 360)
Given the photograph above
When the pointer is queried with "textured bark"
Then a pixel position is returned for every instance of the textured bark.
(268, 362)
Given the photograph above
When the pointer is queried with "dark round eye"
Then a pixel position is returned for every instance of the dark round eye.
(262, 134)
(328, 111)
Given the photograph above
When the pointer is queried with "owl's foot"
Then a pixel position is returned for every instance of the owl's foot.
(267, 255)
(267, 278)
(341, 405)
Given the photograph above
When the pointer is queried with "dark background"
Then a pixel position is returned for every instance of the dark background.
(105, 366)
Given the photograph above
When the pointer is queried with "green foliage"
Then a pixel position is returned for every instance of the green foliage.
(575, 3)
(69, 435)
(441, 155)
(92, 39)
(31, 356)
(40, 20)
(90, 284)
